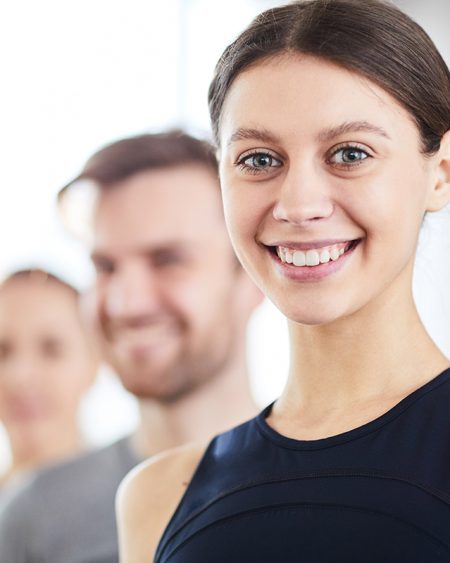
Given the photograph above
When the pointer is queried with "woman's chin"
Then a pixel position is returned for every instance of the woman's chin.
(313, 314)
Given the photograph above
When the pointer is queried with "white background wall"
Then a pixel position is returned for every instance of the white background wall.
(77, 75)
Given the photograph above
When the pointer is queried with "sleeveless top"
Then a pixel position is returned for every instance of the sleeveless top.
(377, 494)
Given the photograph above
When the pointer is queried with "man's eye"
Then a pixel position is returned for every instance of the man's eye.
(51, 348)
(167, 259)
(258, 161)
(5, 350)
(103, 266)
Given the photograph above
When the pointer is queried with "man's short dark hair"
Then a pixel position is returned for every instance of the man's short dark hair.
(124, 158)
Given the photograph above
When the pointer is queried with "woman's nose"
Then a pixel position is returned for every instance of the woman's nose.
(304, 197)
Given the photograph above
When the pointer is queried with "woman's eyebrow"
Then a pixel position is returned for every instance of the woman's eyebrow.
(351, 127)
(244, 133)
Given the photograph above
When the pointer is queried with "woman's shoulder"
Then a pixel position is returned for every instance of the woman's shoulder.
(149, 495)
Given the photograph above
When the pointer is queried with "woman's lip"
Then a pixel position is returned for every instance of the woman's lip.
(309, 245)
(311, 273)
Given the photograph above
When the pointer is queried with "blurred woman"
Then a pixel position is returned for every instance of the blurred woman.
(46, 366)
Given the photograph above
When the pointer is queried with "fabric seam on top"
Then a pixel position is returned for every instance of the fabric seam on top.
(442, 496)
(342, 508)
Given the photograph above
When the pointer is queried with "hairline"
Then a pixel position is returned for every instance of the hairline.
(292, 52)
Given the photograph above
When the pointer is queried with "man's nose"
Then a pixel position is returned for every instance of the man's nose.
(134, 291)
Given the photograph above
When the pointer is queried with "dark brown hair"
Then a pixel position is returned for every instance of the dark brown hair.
(372, 38)
(124, 158)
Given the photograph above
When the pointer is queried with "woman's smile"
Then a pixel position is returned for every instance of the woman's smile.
(322, 186)
(311, 261)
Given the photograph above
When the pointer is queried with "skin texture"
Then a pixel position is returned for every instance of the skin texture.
(357, 344)
(46, 365)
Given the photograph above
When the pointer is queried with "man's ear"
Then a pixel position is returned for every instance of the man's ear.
(440, 194)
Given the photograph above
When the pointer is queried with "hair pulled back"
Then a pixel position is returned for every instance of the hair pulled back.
(39, 276)
(372, 38)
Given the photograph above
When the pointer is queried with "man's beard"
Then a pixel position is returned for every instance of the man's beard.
(186, 373)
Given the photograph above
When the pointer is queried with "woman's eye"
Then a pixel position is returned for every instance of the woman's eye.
(259, 161)
(348, 156)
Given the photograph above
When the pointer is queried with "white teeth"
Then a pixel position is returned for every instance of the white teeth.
(299, 258)
(312, 258)
(324, 256)
(334, 254)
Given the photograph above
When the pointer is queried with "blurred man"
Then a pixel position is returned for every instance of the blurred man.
(171, 304)
(46, 366)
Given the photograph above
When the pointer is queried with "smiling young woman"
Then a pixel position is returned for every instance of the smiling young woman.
(332, 121)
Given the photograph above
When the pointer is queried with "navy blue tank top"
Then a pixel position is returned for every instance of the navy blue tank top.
(377, 494)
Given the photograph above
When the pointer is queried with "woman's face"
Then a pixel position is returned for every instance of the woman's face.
(324, 186)
(45, 362)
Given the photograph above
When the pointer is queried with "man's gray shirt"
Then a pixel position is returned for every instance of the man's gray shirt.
(65, 514)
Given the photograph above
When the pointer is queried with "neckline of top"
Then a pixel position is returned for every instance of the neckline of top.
(367, 428)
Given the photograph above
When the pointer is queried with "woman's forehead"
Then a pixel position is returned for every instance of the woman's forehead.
(300, 93)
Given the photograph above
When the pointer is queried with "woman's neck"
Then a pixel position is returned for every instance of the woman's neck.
(364, 363)
(31, 453)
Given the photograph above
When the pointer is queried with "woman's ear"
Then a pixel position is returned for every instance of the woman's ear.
(440, 194)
